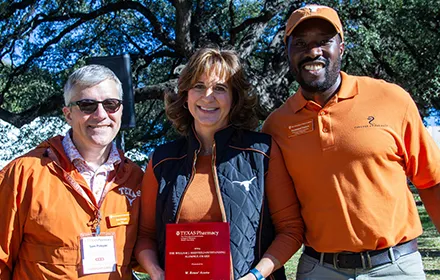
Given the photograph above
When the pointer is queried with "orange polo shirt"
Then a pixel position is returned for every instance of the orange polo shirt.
(350, 161)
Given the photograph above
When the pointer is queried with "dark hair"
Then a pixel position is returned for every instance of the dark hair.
(225, 64)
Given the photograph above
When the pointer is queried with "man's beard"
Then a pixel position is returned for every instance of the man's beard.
(330, 76)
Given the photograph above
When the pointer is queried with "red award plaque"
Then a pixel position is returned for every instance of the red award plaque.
(197, 251)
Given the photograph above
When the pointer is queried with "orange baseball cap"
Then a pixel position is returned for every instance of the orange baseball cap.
(313, 11)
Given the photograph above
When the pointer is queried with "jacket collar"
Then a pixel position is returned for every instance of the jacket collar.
(54, 147)
(58, 154)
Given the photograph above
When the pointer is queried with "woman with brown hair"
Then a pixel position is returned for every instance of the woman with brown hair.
(220, 171)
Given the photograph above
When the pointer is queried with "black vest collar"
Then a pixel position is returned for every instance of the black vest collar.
(221, 137)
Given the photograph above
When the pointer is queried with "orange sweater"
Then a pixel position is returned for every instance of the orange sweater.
(200, 204)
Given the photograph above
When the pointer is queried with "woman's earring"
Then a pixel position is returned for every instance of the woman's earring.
(185, 105)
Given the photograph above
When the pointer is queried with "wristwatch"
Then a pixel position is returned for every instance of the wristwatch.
(257, 274)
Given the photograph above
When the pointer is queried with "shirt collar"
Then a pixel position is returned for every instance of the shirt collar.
(74, 155)
(347, 90)
(113, 157)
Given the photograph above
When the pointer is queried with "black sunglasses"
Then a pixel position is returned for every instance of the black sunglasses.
(89, 106)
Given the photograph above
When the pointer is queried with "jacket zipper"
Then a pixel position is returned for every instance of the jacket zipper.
(96, 224)
(217, 187)
(219, 196)
(65, 174)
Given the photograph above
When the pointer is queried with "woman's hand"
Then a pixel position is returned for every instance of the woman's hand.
(248, 276)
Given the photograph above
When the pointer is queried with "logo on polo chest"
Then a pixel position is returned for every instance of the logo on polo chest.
(129, 194)
(300, 128)
(371, 123)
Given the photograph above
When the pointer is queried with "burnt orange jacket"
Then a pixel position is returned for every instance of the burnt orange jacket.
(43, 216)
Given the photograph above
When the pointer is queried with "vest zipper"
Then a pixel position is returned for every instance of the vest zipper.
(193, 172)
(217, 187)
(259, 232)
(219, 196)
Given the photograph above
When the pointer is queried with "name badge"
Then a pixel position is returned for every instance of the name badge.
(121, 219)
(98, 254)
(300, 128)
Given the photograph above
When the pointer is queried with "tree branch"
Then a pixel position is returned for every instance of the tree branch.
(155, 91)
(382, 62)
(48, 107)
(159, 32)
(232, 17)
(195, 23)
(183, 26)
(52, 104)
(23, 67)
(9, 10)
(265, 17)
(257, 26)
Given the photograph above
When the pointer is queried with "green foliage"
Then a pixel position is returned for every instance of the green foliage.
(429, 248)
(30, 88)
(15, 142)
(397, 41)
(43, 41)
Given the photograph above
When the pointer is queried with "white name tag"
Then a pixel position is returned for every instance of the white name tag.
(98, 254)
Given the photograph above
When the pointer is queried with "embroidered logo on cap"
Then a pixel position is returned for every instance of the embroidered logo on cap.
(300, 128)
(313, 9)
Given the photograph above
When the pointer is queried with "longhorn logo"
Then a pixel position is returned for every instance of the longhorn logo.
(245, 184)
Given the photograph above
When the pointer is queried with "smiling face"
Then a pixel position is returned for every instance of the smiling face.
(98, 129)
(209, 102)
(315, 52)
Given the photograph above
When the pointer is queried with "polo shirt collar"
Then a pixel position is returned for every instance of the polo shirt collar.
(347, 90)
(297, 101)
(348, 87)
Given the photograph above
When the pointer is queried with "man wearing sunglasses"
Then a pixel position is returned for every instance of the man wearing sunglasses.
(70, 207)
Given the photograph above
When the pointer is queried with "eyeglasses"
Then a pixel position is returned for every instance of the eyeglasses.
(89, 106)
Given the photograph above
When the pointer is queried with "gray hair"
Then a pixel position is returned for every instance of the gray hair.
(89, 76)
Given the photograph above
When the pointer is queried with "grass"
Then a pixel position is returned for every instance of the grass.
(429, 244)
(429, 247)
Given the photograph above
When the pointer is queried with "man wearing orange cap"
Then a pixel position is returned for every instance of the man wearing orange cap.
(350, 144)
